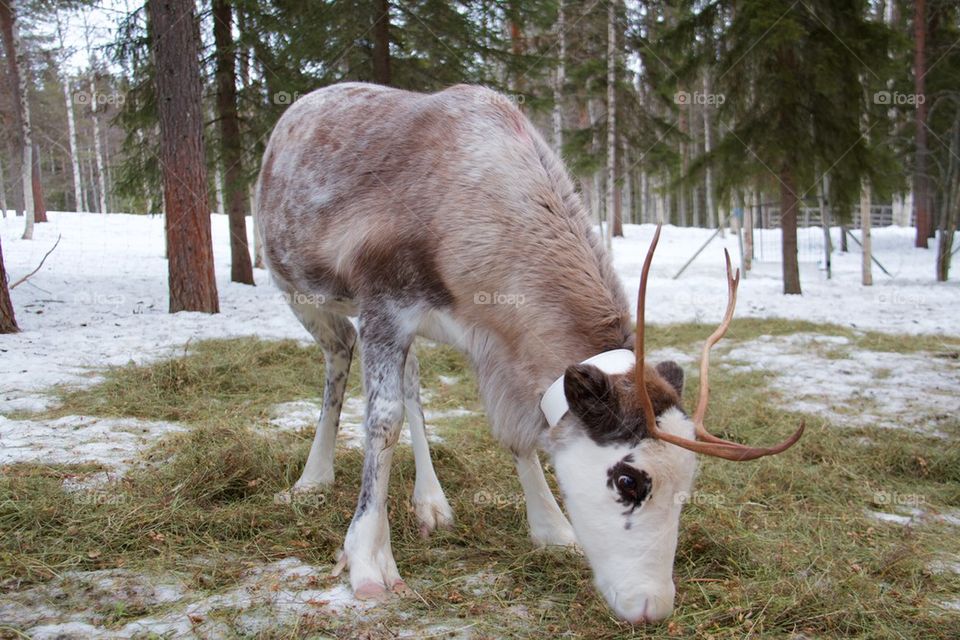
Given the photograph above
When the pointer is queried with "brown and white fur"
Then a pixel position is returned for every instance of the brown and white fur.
(448, 216)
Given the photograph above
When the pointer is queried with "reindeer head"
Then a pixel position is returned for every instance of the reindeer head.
(624, 458)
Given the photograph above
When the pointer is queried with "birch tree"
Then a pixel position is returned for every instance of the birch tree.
(611, 117)
(560, 80)
(18, 84)
(866, 239)
(71, 125)
(3, 190)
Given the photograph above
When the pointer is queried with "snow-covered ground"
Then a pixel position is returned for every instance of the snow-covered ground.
(101, 297)
(101, 300)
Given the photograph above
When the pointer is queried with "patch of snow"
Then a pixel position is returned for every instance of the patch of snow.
(854, 387)
(441, 414)
(910, 302)
(267, 596)
(449, 380)
(101, 298)
(113, 442)
(915, 515)
(946, 565)
(302, 415)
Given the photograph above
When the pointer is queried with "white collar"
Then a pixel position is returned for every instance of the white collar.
(554, 402)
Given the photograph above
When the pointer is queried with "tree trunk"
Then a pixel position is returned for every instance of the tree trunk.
(8, 320)
(627, 192)
(950, 207)
(560, 80)
(825, 225)
(707, 146)
(97, 149)
(257, 244)
(71, 128)
(788, 229)
(241, 270)
(921, 198)
(16, 60)
(381, 42)
(866, 240)
(175, 47)
(39, 207)
(644, 197)
(612, 204)
(72, 134)
(3, 190)
(748, 231)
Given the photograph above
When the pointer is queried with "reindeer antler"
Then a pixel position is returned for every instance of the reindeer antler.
(706, 443)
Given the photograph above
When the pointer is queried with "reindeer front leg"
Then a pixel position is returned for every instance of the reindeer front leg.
(429, 501)
(366, 549)
(548, 525)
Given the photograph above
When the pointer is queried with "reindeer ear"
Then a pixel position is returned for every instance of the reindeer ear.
(591, 397)
(673, 374)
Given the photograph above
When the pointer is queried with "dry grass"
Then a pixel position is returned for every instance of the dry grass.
(774, 547)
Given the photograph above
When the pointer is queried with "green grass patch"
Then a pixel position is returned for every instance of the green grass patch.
(774, 547)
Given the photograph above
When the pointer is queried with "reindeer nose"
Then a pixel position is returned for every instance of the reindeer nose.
(647, 608)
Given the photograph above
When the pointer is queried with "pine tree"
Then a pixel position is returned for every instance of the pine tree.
(808, 58)
(8, 320)
(174, 40)
(231, 146)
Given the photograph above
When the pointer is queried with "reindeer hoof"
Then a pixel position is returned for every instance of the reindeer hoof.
(371, 591)
(401, 589)
(433, 513)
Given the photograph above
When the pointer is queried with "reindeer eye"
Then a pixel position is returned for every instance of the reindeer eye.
(632, 484)
(626, 484)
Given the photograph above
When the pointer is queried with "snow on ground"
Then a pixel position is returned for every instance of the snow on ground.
(909, 302)
(100, 300)
(101, 297)
(79, 604)
(301, 415)
(113, 442)
(826, 376)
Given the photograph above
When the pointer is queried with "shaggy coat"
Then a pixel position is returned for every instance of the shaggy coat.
(453, 204)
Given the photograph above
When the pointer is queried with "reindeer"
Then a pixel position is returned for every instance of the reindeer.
(414, 214)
